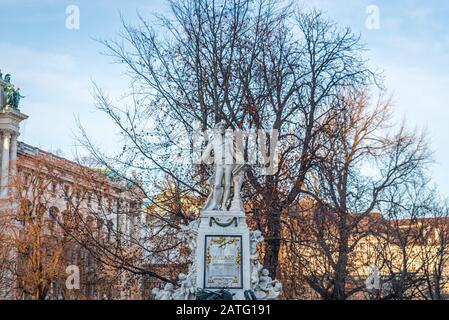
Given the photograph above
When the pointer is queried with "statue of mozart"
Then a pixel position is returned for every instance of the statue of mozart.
(227, 172)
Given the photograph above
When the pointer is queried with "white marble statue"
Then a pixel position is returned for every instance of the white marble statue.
(255, 237)
(226, 172)
(226, 184)
(156, 293)
(275, 291)
(264, 279)
(238, 178)
(163, 294)
(186, 290)
(256, 267)
(263, 286)
(267, 288)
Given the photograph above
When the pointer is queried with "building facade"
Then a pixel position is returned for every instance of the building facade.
(61, 222)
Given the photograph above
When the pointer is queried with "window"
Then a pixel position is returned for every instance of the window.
(54, 188)
(67, 190)
(100, 202)
(110, 226)
(89, 200)
(26, 179)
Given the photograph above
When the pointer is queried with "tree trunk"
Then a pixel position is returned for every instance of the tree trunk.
(339, 288)
(273, 242)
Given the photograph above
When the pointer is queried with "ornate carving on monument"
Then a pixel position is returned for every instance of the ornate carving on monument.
(223, 224)
(267, 288)
(255, 237)
(188, 234)
(263, 286)
(223, 264)
(164, 294)
(187, 282)
(186, 290)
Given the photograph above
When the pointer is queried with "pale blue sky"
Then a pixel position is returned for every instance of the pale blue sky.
(54, 66)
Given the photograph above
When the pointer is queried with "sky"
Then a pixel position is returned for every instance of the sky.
(55, 66)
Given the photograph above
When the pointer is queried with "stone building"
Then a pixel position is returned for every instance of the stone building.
(80, 212)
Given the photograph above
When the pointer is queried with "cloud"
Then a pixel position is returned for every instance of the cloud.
(421, 97)
(57, 88)
(43, 73)
(412, 47)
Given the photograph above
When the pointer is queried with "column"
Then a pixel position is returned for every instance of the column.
(1, 95)
(5, 163)
(13, 159)
(13, 153)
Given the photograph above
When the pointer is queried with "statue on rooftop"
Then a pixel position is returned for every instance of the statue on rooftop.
(11, 95)
(8, 95)
(16, 99)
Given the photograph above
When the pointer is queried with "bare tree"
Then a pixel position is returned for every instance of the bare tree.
(35, 245)
(403, 239)
(435, 253)
(254, 64)
(62, 214)
(360, 162)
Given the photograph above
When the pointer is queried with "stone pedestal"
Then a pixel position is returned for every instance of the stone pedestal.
(224, 256)
(223, 252)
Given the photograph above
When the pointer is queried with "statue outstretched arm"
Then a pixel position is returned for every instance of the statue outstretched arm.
(207, 152)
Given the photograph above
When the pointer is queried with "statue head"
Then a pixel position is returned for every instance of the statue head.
(220, 127)
(8, 78)
(182, 276)
(265, 272)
